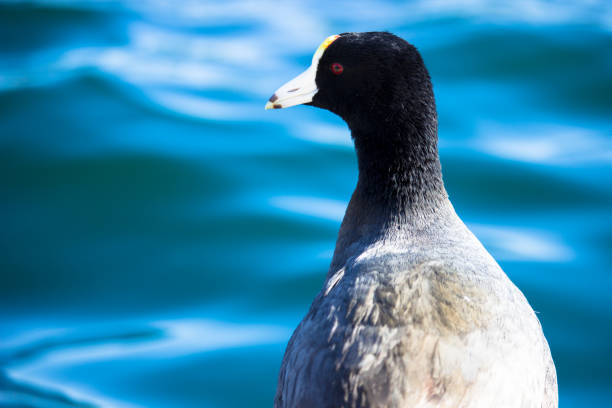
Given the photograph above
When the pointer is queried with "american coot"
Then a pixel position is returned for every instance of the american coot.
(414, 311)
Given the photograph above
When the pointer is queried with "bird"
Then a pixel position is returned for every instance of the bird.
(414, 312)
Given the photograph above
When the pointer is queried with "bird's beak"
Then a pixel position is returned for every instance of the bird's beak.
(299, 90)
(303, 87)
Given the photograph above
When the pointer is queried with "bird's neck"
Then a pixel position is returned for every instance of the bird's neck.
(400, 176)
(399, 171)
(400, 188)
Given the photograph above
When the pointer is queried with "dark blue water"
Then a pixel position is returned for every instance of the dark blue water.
(161, 234)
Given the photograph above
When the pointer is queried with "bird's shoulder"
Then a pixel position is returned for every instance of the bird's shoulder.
(396, 330)
(393, 291)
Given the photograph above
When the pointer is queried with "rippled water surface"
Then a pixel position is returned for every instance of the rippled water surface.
(161, 234)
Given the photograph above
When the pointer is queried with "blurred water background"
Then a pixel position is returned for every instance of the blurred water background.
(161, 235)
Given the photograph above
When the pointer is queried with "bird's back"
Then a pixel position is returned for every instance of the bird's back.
(392, 329)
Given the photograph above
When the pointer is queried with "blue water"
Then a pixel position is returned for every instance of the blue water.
(161, 234)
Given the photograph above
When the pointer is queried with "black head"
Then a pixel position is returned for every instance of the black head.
(371, 75)
(364, 77)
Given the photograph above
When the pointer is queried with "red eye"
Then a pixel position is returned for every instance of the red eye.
(337, 68)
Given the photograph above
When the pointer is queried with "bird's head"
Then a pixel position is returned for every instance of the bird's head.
(361, 75)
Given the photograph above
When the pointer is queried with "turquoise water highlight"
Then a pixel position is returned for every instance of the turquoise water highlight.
(162, 234)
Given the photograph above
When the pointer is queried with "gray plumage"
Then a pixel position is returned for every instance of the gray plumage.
(414, 311)
(422, 317)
